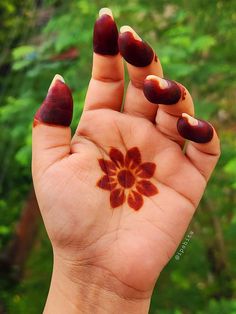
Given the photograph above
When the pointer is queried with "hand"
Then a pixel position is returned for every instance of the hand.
(117, 198)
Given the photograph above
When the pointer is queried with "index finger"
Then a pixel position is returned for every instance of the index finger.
(106, 86)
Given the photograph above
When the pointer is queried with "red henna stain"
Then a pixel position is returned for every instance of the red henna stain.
(117, 157)
(35, 122)
(105, 36)
(169, 95)
(133, 158)
(146, 170)
(135, 200)
(117, 197)
(136, 52)
(200, 133)
(106, 183)
(107, 166)
(146, 188)
(124, 178)
(57, 108)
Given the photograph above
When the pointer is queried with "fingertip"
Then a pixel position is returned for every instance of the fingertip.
(203, 148)
(161, 91)
(105, 34)
(133, 49)
(200, 132)
(196, 130)
(172, 96)
(57, 108)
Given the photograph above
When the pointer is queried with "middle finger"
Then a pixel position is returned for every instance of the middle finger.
(141, 61)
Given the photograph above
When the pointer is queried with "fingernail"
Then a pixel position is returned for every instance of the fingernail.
(133, 49)
(57, 108)
(105, 34)
(195, 130)
(161, 91)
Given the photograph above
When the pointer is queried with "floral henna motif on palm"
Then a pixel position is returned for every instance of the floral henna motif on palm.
(126, 177)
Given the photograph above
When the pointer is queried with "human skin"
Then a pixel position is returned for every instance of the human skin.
(110, 246)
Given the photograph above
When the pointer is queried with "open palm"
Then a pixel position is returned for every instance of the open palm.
(118, 196)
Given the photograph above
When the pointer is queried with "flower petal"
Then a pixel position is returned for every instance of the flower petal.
(133, 158)
(107, 166)
(117, 197)
(146, 188)
(135, 200)
(146, 170)
(106, 183)
(117, 157)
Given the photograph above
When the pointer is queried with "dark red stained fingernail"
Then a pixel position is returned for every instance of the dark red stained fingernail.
(105, 34)
(57, 108)
(195, 130)
(161, 91)
(133, 49)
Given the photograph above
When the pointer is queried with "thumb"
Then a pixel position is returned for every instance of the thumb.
(51, 135)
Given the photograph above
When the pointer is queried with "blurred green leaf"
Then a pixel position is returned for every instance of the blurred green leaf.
(230, 167)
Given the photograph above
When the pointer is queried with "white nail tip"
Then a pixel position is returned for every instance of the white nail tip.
(57, 77)
(105, 11)
(127, 28)
(161, 82)
(192, 121)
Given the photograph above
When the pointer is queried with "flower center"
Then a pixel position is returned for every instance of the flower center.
(126, 179)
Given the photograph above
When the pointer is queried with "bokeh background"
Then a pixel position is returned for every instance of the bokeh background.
(195, 41)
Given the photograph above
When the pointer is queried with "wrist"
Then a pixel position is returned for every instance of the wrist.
(95, 291)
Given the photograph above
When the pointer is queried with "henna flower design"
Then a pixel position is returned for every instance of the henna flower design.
(126, 178)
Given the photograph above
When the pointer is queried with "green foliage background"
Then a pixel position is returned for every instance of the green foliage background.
(195, 41)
